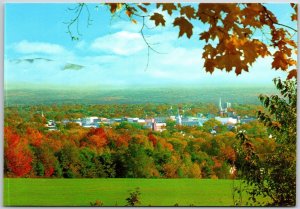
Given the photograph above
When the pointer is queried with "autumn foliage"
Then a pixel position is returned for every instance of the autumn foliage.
(17, 156)
(231, 40)
(97, 137)
(121, 150)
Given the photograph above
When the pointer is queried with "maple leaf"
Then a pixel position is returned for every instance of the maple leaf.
(292, 74)
(185, 27)
(158, 19)
(255, 7)
(250, 49)
(205, 36)
(188, 11)
(142, 8)
(169, 7)
(290, 42)
(230, 61)
(209, 51)
(129, 13)
(209, 65)
(114, 7)
(239, 69)
(232, 27)
(280, 61)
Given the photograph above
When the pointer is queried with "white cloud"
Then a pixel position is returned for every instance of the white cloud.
(182, 57)
(126, 25)
(120, 43)
(81, 45)
(26, 47)
(179, 63)
(103, 59)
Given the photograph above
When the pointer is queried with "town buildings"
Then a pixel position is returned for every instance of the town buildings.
(226, 116)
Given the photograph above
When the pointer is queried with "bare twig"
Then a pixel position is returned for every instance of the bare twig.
(149, 47)
(147, 43)
(75, 20)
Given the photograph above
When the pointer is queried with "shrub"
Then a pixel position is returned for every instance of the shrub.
(134, 198)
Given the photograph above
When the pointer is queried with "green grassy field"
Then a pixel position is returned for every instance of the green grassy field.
(80, 192)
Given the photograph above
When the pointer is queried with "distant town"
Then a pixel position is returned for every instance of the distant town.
(227, 116)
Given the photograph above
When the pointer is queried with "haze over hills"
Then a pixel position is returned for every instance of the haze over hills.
(110, 64)
(135, 95)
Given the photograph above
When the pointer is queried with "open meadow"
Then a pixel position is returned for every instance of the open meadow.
(80, 192)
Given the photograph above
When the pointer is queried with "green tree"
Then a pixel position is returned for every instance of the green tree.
(68, 158)
(39, 169)
(211, 124)
(273, 174)
(139, 164)
(171, 125)
(87, 163)
(106, 160)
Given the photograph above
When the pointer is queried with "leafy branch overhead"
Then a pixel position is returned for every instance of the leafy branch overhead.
(185, 26)
(232, 42)
(158, 19)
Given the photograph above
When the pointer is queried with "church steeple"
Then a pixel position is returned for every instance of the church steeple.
(179, 118)
(220, 105)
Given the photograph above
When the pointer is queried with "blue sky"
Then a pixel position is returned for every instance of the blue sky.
(110, 52)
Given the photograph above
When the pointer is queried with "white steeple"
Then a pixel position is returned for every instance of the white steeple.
(179, 118)
(220, 105)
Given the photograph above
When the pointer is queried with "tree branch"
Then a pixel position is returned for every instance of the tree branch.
(276, 23)
(78, 13)
(148, 45)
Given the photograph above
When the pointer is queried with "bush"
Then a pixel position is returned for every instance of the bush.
(134, 198)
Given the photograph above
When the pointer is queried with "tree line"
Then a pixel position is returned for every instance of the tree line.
(124, 150)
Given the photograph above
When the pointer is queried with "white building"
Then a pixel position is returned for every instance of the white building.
(159, 126)
(51, 125)
(227, 120)
(141, 121)
(90, 126)
(90, 120)
(228, 105)
(132, 120)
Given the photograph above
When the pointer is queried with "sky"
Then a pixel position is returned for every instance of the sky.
(111, 52)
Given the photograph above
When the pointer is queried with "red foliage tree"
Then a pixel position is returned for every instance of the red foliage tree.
(49, 171)
(153, 139)
(18, 159)
(98, 137)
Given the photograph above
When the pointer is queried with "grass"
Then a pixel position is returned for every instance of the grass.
(80, 192)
